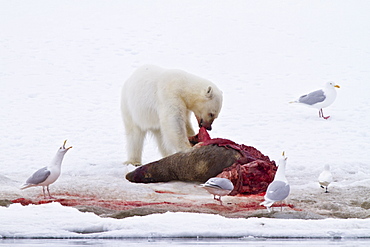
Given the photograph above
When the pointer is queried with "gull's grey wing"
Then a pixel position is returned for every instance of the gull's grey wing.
(312, 98)
(278, 191)
(39, 176)
(226, 184)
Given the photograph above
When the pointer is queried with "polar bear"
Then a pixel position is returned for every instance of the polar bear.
(160, 101)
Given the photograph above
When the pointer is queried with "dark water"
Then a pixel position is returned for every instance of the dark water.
(183, 242)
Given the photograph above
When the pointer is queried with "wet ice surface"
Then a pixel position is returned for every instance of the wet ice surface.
(183, 242)
(63, 66)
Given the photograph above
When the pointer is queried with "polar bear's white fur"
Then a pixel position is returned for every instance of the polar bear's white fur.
(160, 101)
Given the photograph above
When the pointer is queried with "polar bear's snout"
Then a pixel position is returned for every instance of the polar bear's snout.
(205, 124)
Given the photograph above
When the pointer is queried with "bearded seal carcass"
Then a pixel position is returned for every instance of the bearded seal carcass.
(197, 165)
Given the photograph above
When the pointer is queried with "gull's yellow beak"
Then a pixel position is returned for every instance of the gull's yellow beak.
(337, 86)
(284, 155)
(64, 145)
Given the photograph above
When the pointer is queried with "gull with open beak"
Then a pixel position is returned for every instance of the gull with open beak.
(49, 174)
(279, 188)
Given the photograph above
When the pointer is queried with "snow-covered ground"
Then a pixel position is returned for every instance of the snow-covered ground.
(62, 65)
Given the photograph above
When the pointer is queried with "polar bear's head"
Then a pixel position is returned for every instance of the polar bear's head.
(207, 109)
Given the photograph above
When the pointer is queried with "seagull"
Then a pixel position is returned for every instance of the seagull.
(325, 178)
(279, 188)
(218, 187)
(320, 98)
(48, 174)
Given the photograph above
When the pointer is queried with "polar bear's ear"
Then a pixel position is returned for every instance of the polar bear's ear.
(209, 93)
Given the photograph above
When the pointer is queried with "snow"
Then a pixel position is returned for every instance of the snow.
(62, 66)
(64, 222)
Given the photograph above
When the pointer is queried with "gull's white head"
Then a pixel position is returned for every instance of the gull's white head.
(331, 84)
(283, 159)
(280, 173)
(63, 148)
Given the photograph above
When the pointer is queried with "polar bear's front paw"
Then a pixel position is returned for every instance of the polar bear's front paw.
(198, 145)
(134, 163)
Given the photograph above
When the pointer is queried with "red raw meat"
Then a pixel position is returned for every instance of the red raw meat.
(251, 174)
